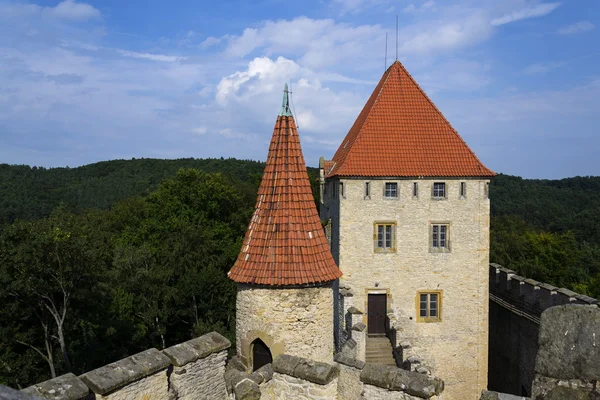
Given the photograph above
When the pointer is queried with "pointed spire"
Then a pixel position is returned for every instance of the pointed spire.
(285, 105)
(285, 243)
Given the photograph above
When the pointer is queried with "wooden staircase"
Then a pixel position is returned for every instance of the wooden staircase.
(379, 351)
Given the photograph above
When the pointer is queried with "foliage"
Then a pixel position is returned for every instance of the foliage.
(103, 261)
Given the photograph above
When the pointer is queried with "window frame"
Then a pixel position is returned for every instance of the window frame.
(385, 190)
(393, 237)
(462, 189)
(447, 248)
(367, 190)
(415, 190)
(342, 191)
(428, 293)
(433, 191)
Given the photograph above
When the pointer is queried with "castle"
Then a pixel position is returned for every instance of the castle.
(398, 259)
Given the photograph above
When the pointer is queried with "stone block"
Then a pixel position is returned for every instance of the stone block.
(7, 393)
(569, 343)
(349, 361)
(302, 368)
(64, 387)
(359, 326)
(246, 389)
(396, 379)
(200, 347)
(263, 374)
(118, 374)
(354, 310)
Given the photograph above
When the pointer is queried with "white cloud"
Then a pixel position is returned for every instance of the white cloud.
(212, 41)
(70, 9)
(541, 68)
(538, 10)
(199, 131)
(578, 27)
(427, 6)
(149, 56)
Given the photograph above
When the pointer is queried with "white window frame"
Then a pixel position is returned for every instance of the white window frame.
(435, 192)
(395, 190)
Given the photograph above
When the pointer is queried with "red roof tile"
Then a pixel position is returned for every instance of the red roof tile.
(400, 132)
(285, 243)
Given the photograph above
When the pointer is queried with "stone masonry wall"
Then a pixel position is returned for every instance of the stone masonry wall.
(457, 347)
(516, 304)
(193, 370)
(295, 321)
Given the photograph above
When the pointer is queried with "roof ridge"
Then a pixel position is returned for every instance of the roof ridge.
(438, 110)
(381, 85)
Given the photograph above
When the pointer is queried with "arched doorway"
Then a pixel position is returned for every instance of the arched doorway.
(261, 355)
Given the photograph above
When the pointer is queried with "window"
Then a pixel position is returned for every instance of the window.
(415, 189)
(487, 190)
(391, 190)
(429, 306)
(385, 237)
(463, 189)
(342, 194)
(367, 190)
(440, 241)
(439, 190)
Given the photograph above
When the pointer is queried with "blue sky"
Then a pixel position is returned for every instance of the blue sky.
(85, 81)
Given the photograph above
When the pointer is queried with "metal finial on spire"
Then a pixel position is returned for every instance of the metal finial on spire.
(285, 105)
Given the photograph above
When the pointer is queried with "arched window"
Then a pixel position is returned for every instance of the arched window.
(261, 355)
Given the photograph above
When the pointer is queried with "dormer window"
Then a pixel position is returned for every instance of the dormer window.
(391, 190)
(439, 190)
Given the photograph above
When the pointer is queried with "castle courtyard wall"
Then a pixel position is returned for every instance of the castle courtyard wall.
(456, 347)
(294, 321)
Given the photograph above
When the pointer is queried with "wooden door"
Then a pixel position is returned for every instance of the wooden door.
(261, 355)
(376, 314)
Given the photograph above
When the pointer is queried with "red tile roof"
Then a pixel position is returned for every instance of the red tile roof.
(285, 243)
(400, 132)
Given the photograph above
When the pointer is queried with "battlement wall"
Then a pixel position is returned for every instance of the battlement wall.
(192, 370)
(516, 304)
(527, 296)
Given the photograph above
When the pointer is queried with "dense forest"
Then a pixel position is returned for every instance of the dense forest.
(102, 261)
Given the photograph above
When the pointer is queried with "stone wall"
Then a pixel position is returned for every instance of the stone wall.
(294, 321)
(516, 304)
(456, 347)
(193, 370)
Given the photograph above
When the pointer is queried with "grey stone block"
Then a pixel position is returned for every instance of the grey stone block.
(359, 326)
(246, 389)
(569, 343)
(7, 393)
(64, 387)
(298, 367)
(195, 349)
(236, 363)
(263, 374)
(354, 310)
(118, 374)
(349, 361)
(397, 379)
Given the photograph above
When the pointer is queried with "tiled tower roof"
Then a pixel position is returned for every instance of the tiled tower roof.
(285, 243)
(400, 132)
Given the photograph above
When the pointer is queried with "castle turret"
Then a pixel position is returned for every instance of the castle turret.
(285, 271)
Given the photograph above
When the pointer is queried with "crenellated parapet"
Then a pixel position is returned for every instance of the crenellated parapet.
(528, 297)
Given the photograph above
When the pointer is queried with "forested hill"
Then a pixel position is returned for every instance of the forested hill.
(103, 261)
(32, 192)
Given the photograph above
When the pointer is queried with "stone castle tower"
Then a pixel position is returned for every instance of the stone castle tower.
(407, 202)
(285, 271)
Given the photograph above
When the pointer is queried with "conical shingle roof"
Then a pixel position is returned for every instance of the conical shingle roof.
(401, 133)
(285, 243)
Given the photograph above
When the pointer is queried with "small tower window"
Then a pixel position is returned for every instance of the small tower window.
(342, 194)
(487, 190)
(391, 190)
(367, 190)
(463, 189)
(415, 189)
(385, 237)
(429, 306)
(439, 190)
